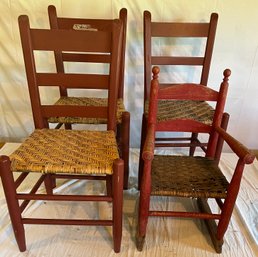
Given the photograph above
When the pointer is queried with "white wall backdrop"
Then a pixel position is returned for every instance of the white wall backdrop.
(235, 48)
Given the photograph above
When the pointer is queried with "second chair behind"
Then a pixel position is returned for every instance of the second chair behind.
(183, 48)
(63, 59)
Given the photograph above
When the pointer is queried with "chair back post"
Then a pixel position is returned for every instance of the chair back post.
(209, 49)
(114, 75)
(217, 118)
(147, 53)
(123, 18)
(220, 143)
(30, 65)
(153, 106)
(52, 15)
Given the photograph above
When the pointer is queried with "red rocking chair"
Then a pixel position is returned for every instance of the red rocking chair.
(195, 177)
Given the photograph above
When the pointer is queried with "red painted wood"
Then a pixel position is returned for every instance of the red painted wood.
(12, 202)
(104, 25)
(117, 183)
(175, 30)
(217, 135)
(33, 39)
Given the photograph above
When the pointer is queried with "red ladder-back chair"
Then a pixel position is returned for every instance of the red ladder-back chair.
(161, 39)
(123, 116)
(69, 154)
(195, 177)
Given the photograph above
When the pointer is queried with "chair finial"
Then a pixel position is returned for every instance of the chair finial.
(226, 73)
(155, 72)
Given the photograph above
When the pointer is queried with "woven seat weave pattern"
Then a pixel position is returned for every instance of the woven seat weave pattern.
(66, 151)
(86, 101)
(174, 109)
(186, 176)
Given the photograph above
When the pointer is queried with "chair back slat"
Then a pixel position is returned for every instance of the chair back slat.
(188, 92)
(69, 40)
(168, 60)
(72, 111)
(183, 125)
(163, 29)
(77, 23)
(89, 81)
(95, 58)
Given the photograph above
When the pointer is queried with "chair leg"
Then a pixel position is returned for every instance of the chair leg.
(125, 143)
(224, 221)
(12, 202)
(224, 125)
(68, 126)
(50, 183)
(109, 185)
(229, 202)
(117, 183)
(143, 137)
(211, 225)
(192, 148)
(144, 205)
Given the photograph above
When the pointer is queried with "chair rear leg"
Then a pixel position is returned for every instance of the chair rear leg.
(224, 125)
(12, 202)
(193, 140)
(117, 183)
(125, 145)
(109, 185)
(143, 137)
(211, 225)
(68, 126)
(50, 183)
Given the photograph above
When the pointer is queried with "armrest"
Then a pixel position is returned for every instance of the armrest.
(240, 150)
(149, 144)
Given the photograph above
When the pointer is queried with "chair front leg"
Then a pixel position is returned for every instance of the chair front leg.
(117, 191)
(144, 205)
(12, 201)
(229, 202)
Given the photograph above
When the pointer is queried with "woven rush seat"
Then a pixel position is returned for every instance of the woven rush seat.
(66, 151)
(186, 176)
(172, 109)
(86, 101)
